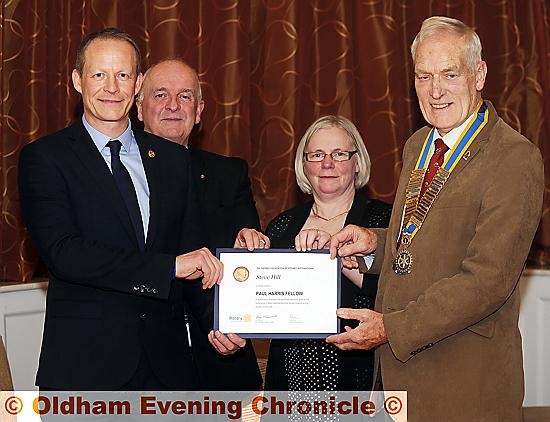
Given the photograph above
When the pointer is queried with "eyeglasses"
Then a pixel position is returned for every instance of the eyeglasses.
(317, 156)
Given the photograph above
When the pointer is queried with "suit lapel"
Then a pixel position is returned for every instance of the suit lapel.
(148, 154)
(201, 179)
(479, 143)
(92, 161)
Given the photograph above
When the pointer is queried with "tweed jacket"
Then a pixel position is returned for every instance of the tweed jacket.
(6, 383)
(452, 323)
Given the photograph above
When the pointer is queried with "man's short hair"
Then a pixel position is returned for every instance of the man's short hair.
(105, 34)
(326, 122)
(141, 93)
(439, 24)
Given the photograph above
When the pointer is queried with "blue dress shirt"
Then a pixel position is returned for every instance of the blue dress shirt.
(131, 158)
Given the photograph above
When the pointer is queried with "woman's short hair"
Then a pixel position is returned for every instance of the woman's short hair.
(326, 122)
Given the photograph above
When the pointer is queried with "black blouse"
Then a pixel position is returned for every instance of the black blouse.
(313, 365)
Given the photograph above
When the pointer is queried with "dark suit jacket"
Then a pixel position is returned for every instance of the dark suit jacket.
(452, 323)
(107, 302)
(225, 197)
(226, 205)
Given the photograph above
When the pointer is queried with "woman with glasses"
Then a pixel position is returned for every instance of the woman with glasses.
(331, 164)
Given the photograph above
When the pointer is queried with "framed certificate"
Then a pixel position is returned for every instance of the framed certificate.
(277, 293)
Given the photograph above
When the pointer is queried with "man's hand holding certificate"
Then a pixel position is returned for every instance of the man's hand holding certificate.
(278, 294)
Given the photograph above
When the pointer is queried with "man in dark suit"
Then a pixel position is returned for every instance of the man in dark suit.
(170, 103)
(107, 207)
(446, 324)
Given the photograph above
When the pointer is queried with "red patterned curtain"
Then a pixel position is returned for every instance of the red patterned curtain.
(268, 69)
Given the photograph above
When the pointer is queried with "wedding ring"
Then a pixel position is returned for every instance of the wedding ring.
(262, 242)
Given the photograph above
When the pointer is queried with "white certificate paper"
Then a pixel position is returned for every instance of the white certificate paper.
(277, 293)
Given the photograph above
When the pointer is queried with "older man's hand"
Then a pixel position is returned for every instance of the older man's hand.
(225, 344)
(368, 334)
(251, 239)
(352, 240)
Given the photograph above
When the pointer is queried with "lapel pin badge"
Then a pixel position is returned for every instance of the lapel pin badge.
(151, 153)
(202, 176)
(466, 155)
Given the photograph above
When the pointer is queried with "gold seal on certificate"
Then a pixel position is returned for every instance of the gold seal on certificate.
(287, 294)
(241, 274)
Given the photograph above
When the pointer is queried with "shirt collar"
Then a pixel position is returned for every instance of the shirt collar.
(100, 139)
(451, 138)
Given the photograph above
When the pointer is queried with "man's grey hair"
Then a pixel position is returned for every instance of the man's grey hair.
(326, 122)
(141, 93)
(442, 24)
